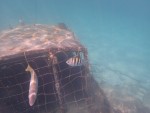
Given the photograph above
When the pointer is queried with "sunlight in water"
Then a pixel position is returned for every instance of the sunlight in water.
(115, 33)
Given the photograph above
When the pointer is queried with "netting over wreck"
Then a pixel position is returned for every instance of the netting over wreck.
(61, 88)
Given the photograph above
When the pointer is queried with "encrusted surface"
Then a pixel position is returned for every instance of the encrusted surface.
(36, 37)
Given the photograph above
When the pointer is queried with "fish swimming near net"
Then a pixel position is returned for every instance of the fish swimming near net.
(33, 88)
(75, 61)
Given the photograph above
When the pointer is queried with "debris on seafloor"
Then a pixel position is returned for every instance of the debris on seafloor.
(61, 88)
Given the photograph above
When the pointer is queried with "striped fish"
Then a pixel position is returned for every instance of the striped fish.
(33, 88)
(75, 61)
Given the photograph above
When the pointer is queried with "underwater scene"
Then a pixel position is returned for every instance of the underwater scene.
(74, 56)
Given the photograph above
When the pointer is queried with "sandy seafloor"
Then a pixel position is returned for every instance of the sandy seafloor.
(116, 33)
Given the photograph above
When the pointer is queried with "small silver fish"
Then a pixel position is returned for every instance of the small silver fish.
(75, 61)
(33, 88)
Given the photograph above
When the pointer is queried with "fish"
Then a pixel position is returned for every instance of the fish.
(75, 61)
(21, 22)
(33, 87)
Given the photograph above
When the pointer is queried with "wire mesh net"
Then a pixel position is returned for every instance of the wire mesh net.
(61, 88)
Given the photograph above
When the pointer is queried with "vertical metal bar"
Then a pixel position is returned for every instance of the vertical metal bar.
(57, 84)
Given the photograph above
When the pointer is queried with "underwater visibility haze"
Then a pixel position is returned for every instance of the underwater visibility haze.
(116, 34)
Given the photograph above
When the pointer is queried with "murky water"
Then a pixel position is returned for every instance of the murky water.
(116, 34)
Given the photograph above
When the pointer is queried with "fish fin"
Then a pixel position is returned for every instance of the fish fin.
(29, 68)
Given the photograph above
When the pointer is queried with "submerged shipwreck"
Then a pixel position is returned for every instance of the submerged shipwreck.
(61, 88)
